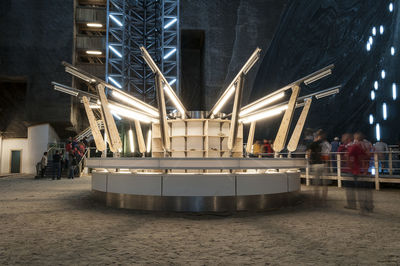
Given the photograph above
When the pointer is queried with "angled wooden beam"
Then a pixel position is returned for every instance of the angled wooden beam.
(250, 139)
(281, 136)
(163, 113)
(98, 138)
(109, 122)
(294, 140)
(139, 134)
(235, 112)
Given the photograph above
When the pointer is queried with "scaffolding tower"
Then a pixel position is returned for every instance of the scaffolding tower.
(153, 24)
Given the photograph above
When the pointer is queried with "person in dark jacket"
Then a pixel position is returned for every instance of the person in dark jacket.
(57, 166)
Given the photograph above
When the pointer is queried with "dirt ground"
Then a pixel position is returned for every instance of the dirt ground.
(45, 222)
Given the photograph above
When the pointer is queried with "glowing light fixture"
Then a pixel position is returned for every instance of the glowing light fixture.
(376, 85)
(373, 171)
(392, 50)
(383, 74)
(116, 20)
(131, 114)
(327, 93)
(264, 114)
(262, 104)
(368, 47)
(94, 52)
(224, 99)
(372, 95)
(318, 77)
(371, 119)
(94, 25)
(115, 82)
(168, 55)
(131, 143)
(370, 40)
(391, 7)
(65, 90)
(378, 132)
(374, 31)
(172, 82)
(381, 29)
(115, 115)
(79, 75)
(394, 91)
(384, 111)
(115, 51)
(134, 103)
(94, 106)
(172, 97)
(169, 24)
(148, 146)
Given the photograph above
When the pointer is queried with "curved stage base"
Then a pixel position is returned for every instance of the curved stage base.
(196, 193)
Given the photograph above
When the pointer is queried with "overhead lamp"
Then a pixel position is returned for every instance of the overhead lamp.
(392, 50)
(115, 82)
(391, 7)
(94, 106)
(264, 114)
(169, 24)
(148, 146)
(131, 143)
(374, 31)
(173, 98)
(378, 132)
(384, 111)
(381, 29)
(368, 47)
(94, 25)
(116, 20)
(224, 99)
(326, 94)
(318, 76)
(115, 51)
(371, 119)
(170, 53)
(372, 95)
(383, 74)
(131, 114)
(262, 104)
(376, 85)
(65, 90)
(94, 52)
(371, 40)
(172, 82)
(394, 91)
(79, 75)
(134, 103)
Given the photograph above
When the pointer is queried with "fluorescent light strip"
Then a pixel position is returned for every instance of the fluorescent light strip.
(115, 51)
(79, 75)
(131, 114)
(263, 115)
(172, 97)
(394, 91)
(384, 111)
(94, 106)
(318, 77)
(169, 24)
(262, 104)
(148, 141)
(134, 103)
(378, 132)
(65, 90)
(371, 119)
(94, 25)
(172, 82)
(224, 100)
(115, 115)
(131, 143)
(116, 20)
(94, 52)
(170, 53)
(115, 82)
(372, 95)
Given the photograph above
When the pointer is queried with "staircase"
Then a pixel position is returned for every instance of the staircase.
(87, 133)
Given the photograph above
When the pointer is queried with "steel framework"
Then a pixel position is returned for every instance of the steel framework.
(131, 24)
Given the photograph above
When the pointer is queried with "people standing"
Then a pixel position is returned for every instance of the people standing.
(334, 149)
(57, 166)
(381, 148)
(71, 165)
(43, 164)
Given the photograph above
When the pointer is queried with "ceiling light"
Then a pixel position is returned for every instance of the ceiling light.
(131, 143)
(131, 114)
(94, 25)
(94, 52)
(263, 114)
(116, 20)
(148, 141)
(224, 99)
(115, 82)
(170, 53)
(115, 51)
(318, 76)
(65, 90)
(169, 24)
(135, 103)
(262, 104)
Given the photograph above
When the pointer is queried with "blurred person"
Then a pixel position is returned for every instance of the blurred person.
(257, 148)
(367, 148)
(314, 152)
(72, 165)
(358, 190)
(347, 140)
(43, 164)
(267, 149)
(334, 149)
(56, 165)
(381, 148)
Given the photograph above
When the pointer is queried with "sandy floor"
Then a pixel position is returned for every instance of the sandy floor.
(57, 222)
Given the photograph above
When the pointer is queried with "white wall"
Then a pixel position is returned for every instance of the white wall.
(32, 148)
(14, 144)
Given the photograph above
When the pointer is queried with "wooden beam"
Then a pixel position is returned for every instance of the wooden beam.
(163, 113)
(250, 139)
(281, 136)
(139, 134)
(109, 122)
(235, 112)
(294, 140)
(98, 138)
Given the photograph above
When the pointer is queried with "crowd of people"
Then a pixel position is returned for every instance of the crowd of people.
(67, 158)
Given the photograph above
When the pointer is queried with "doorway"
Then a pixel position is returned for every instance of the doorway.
(16, 161)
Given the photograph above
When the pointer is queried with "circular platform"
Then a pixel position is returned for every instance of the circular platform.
(208, 192)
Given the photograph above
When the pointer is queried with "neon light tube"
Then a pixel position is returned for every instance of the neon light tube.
(169, 24)
(170, 53)
(115, 51)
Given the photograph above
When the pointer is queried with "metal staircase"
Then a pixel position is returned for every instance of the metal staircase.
(87, 133)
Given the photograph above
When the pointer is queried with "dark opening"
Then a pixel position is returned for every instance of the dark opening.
(12, 108)
(15, 161)
(192, 89)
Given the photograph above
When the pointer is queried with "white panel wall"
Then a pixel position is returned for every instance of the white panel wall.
(14, 144)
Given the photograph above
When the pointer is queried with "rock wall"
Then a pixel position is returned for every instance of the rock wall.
(316, 33)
